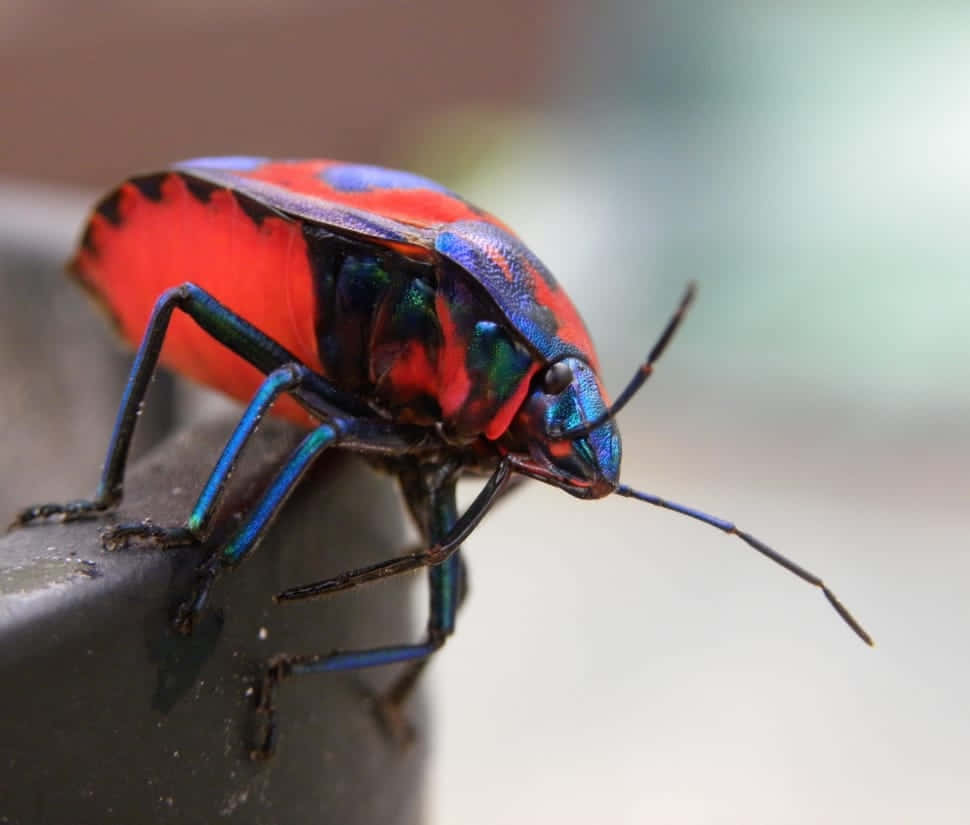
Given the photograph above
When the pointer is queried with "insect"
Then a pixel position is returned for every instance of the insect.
(391, 318)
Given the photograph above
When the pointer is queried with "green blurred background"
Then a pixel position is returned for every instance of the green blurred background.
(807, 164)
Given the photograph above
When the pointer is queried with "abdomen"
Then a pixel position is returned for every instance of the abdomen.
(154, 233)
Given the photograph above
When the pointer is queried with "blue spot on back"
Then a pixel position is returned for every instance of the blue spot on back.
(229, 163)
(361, 178)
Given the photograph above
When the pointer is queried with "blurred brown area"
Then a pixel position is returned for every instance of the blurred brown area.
(95, 90)
(92, 92)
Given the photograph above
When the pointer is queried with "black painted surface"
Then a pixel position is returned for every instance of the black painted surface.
(108, 716)
(61, 378)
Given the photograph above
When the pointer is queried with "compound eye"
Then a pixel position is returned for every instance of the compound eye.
(557, 378)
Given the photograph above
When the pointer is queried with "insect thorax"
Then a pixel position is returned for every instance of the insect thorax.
(420, 339)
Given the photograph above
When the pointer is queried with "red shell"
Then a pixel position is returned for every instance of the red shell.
(156, 231)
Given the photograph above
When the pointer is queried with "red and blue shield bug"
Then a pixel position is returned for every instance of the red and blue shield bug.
(391, 317)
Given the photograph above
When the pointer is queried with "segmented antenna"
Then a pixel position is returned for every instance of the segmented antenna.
(758, 545)
(642, 374)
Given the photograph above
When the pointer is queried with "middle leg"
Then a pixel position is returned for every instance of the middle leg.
(446, 582)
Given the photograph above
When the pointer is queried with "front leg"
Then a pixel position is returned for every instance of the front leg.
(199, 523)
(225, 327)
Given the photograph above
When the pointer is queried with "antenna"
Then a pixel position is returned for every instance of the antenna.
(644, 371)
(760, 546)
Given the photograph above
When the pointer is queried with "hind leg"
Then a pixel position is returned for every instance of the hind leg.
(445, 579)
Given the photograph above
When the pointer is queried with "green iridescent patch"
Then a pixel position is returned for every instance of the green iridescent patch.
(493, 354)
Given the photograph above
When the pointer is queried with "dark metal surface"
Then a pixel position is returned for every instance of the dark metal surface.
(61, 376)
(108, 716)
(105, 714)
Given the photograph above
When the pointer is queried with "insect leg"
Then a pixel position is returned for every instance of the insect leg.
(434, 555)
(445, 591)
(222, 324)
(446, 584)
(246, 537)
(358, 432)
(199, 522)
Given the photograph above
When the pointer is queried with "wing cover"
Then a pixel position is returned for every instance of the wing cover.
(520, 284)
(367, 200)
(403, 209)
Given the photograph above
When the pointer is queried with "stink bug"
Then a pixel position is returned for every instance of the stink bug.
(388, 315)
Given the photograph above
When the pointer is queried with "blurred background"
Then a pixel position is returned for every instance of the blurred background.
(806, 163)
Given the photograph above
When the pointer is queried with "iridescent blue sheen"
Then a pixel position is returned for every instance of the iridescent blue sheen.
(276, 383)
(348, 177)
(691, 512)
(476, 246)
(580, 403)
(592, 460)
(231, 163)
(253, 528)
(357, 659)
(300, 205)
(604, 440)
